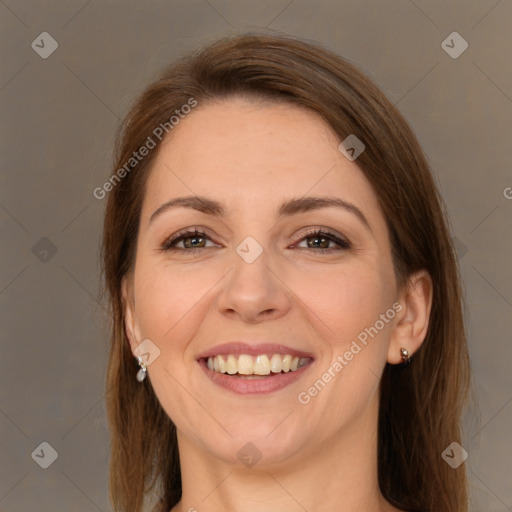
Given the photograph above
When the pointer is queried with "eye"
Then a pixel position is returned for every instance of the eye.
(320, 241)
(192, 240)
(195, 241)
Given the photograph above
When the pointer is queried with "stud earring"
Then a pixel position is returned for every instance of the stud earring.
(406, 358)
(142, 373)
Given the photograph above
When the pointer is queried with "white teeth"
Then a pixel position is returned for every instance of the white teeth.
(222, 364)
(263, 364)
(276, 363)
(231, 365)
(245, 365)
(287, 362)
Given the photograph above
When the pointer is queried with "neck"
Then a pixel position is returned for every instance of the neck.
(339, 475)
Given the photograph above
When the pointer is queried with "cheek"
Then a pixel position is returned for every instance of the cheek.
(169, 300)
(346, 299)
(171, 303)
(350, 302)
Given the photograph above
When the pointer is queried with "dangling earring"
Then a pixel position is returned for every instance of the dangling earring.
(141, 374)
(406, 358)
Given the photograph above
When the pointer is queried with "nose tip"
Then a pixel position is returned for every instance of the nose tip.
(252, 290)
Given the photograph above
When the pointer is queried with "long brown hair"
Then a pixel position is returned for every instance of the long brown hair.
(420, 404)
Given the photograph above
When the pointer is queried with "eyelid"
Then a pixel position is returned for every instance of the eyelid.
(198, 231)
(340, 240)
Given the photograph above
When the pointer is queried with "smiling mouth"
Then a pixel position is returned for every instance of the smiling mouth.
(254, 367)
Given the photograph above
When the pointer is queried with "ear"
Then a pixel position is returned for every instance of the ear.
(412, 321)
(130, 320)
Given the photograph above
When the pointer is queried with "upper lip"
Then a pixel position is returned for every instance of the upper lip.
(254, 349)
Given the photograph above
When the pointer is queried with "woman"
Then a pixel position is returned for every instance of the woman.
(287, 330)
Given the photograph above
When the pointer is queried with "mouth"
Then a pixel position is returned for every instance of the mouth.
(247, 366)
(246, 369)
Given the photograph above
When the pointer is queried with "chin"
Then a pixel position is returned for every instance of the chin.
(263, 445)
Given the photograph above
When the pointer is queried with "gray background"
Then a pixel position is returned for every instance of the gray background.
(59, 118)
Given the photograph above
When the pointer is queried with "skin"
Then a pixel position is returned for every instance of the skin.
(251, 156)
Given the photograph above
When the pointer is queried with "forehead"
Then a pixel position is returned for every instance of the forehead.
(247, 152)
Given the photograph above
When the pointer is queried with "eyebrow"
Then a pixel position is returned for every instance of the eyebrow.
(288, 208)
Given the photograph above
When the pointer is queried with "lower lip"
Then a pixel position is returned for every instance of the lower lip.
(256, 386)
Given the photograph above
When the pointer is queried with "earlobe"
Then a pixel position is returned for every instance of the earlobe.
(411, 326)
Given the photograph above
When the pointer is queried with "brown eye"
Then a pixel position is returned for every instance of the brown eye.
(319, 241)
(191, 240)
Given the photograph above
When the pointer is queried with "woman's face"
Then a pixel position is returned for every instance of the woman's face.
(258, 288)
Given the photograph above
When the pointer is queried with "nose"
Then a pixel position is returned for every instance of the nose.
(254, 292)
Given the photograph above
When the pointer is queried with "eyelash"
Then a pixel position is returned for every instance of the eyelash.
(169, 244)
